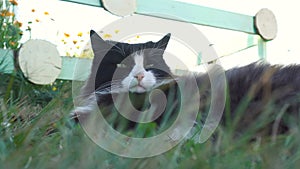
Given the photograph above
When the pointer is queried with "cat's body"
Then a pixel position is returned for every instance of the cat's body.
(133, 71)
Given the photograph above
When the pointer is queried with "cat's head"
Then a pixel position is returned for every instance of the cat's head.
(133, 67)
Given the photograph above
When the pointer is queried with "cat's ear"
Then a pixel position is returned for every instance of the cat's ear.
(162, 44)
(98, 44)
(100, 48)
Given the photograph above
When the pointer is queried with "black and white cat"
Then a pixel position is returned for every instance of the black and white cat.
(138, 69)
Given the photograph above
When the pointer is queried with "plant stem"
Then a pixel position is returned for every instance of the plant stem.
(9, 86)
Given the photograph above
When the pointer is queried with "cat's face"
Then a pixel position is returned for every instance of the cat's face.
(130, 67)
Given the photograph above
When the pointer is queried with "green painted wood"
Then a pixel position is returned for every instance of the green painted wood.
(181, 11)
(79, 69)
(199, 58)
(186, 12)
(75, 68)
(6, 61)
(262, 48)
(261, 45)
(87, 2)
(250, 40)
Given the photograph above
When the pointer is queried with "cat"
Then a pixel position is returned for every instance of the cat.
(132, 71)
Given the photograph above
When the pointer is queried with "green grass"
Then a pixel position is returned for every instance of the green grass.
(41, 135)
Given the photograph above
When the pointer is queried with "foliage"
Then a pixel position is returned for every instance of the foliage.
(16, 88)
(36, 132)
(10, 28)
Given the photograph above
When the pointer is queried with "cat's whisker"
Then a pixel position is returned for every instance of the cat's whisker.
(108, 84)
(164, 78)
(110, 87)
(152, 55)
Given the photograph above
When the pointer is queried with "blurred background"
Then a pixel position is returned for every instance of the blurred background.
(67, 25)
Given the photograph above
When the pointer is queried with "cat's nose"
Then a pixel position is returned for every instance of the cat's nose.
(139, 76)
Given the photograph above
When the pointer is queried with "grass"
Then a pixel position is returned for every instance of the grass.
(36, 132)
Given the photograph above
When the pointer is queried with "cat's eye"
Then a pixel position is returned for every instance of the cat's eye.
(121, 65)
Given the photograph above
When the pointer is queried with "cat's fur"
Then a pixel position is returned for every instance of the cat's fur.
(139, 68)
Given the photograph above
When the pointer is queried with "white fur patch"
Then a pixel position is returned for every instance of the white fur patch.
(132, 84)
(139, 59)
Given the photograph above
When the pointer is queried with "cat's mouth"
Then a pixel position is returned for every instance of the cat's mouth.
(138, 88)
